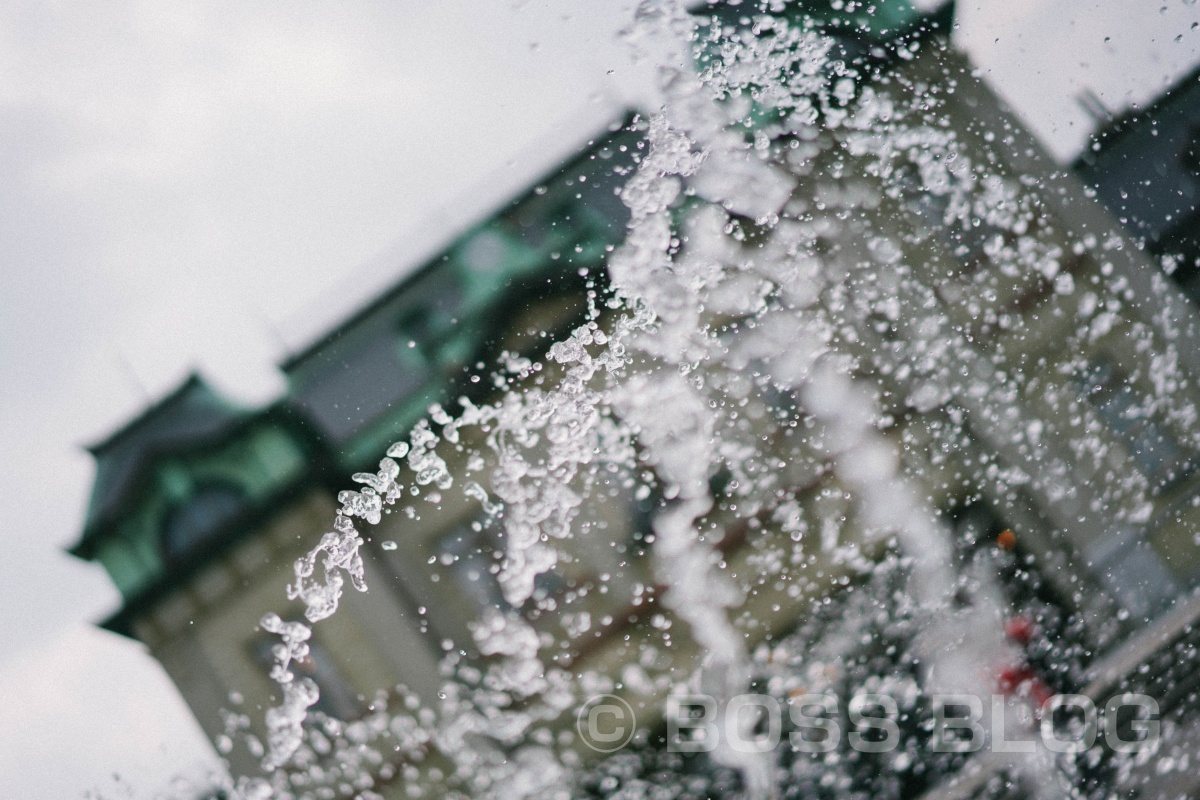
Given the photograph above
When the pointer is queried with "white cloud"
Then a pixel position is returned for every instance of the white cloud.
(1040, 55)
(86, 706)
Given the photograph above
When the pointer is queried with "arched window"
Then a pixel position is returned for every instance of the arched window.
(196, 519)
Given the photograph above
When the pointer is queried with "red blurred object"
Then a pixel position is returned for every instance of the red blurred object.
(1022, 681)
(1019, 629)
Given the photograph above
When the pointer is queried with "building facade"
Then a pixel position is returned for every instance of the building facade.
(199, 508)
(1145, 168)
(1034, 368)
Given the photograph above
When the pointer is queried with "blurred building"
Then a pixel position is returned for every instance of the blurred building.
(1145, 168)
(199, 508)
(1040, 401)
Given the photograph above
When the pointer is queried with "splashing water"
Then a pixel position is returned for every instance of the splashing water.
(771, 315)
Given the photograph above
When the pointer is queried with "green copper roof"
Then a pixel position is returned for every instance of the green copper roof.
(193, 474)
(372, 377)
(192, 413)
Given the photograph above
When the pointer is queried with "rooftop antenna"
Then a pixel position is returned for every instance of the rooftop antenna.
(1094, 107)
(273, 331)
(132, 376)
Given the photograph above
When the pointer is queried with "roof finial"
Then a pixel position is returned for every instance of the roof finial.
(1094, 107)
(132, 376)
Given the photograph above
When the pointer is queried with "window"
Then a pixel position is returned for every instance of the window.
(424, 323)
(470, 553)
(198, 518)
(362, 384)
(1158, 454)
(471, 557)
(337, 698)
(969, 242)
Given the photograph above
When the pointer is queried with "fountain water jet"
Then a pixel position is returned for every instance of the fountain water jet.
(653, 378)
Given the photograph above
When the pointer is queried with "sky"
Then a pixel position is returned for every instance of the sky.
(206, 186)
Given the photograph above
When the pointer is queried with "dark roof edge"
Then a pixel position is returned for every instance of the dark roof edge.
(1120, 126)
(275, 413)
(429, 263)
(193, 380)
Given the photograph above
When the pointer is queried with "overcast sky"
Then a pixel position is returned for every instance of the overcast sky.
(196, 185)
